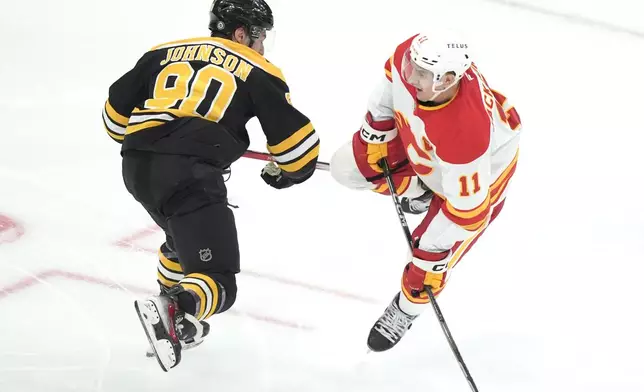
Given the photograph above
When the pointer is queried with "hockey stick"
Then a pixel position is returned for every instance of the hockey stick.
(403, 222)
(262, 156)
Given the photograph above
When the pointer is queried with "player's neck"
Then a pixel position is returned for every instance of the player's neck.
(443, 97)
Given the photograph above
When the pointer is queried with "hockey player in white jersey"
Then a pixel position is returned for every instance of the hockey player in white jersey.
(452, 143)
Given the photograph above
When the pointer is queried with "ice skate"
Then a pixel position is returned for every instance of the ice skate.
(163, 323)
(417, 205)
(193, 334)
(390, 327)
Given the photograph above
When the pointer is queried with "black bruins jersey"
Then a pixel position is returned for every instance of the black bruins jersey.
(195, 96)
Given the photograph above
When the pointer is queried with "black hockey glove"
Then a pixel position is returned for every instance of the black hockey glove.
(272, 175)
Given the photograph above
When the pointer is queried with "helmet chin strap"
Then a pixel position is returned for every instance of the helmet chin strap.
(433, 97)
(437, 93)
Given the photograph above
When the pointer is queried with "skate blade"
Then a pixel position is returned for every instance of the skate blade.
(184, 346)
(162, 349)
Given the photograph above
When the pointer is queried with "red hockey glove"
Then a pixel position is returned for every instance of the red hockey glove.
(428, 271)
(375, 140)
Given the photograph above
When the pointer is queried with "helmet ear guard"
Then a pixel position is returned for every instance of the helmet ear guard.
(256, 31)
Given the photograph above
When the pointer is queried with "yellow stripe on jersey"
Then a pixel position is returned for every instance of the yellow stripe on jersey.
(382, 188)
(175, 112)
(469, 214)
(499, 191)
(117, 118)
(458, 254)
(476, 218)
(293, 153)
(475, 226)
(468, 219)
(504, 176)
(292, 140)
(400, 189)
(442, 105)
(390, 62)
(139, 127)
(501, 183)
(300, 163)
(253, 56)
(239, 49)
(147, 118)
(403, 186)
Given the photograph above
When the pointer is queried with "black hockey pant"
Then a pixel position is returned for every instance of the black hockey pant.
(187, 198)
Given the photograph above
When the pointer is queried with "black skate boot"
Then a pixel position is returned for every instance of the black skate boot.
(417, 205)
(390, 327)
(162, 321)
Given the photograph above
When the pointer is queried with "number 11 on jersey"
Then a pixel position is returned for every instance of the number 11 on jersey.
(465, 185)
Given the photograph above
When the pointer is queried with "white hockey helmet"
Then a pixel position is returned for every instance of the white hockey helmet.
(430, 57)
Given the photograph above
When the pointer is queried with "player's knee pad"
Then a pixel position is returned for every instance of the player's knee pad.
(345, 170)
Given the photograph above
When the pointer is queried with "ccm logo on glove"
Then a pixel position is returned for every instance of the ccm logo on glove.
(375, 136)
(378, 132)
(438, 263)
(439, 267)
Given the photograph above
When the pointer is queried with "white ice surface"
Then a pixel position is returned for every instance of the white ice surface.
(548, 300)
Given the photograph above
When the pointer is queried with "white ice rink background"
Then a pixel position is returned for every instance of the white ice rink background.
(549, 299)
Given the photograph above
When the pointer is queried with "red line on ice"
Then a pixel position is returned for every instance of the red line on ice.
(129, 242)
(10, 230)
(38, 278)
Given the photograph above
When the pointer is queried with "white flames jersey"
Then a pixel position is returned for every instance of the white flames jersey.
(464, 150)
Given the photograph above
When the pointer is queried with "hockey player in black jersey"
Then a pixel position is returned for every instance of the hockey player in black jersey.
(180, 115)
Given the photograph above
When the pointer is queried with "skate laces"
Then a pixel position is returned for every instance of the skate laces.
(394, 323)
(421, 203)
(184, 329)
(189, 328)
(418, 205)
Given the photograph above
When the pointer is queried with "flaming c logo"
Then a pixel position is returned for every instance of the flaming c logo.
(418, 156)
(401, 121)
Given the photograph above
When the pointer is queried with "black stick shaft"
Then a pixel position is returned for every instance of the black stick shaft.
(439, 314)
